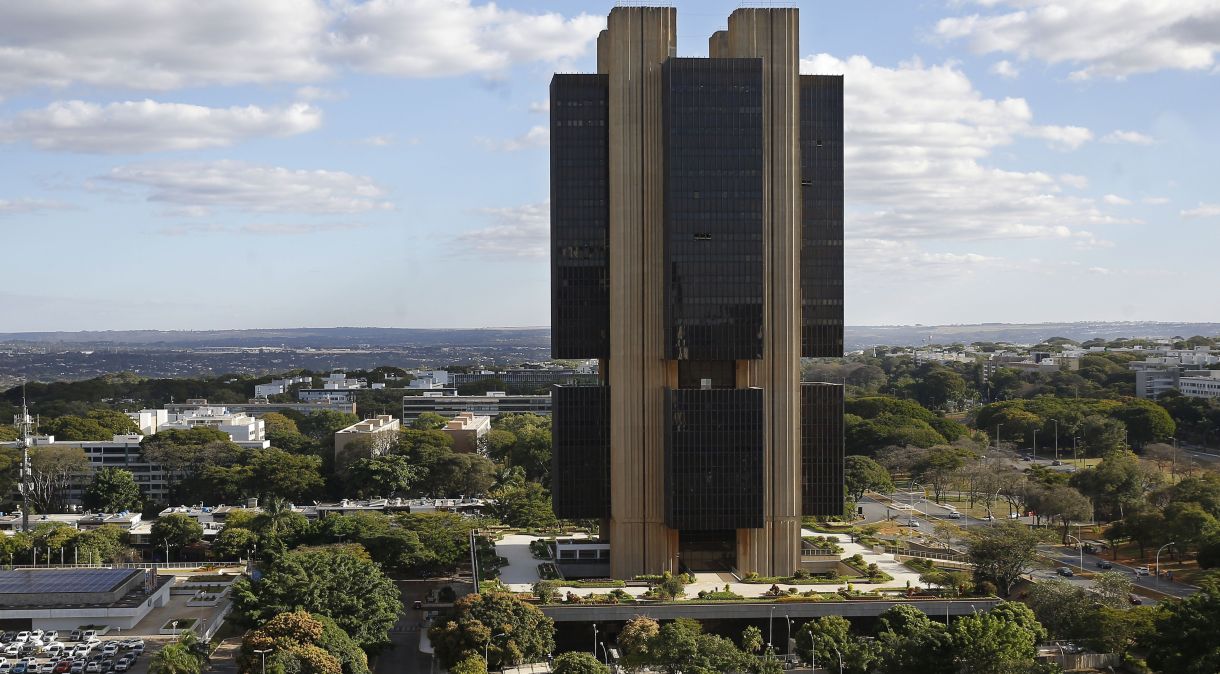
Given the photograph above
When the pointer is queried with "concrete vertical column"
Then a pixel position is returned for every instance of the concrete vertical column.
(631, 51)
(771, 34)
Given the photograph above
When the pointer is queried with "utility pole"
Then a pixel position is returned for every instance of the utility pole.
(25, 426)
(1056, 438)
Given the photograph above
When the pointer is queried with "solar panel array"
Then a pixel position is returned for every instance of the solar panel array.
(30, 581)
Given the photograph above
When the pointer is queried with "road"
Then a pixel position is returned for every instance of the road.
(1070, 556)
(403, 656)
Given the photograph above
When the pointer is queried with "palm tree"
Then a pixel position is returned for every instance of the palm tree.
(177, 658)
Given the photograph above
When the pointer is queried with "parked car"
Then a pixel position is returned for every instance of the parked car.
(1065, 572)
(1141, 571)
(912, 522)
(1103, 564)
(955, 515)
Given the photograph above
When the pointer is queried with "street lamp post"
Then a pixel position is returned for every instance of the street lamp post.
(487, 646)
(167, 552)
(1056, 438)
(1075, 451)
(789, 634)
(840, 657)
(1175, 456)
(1158, 561)
(1080, 546)
(1035, 442)
(771, 629)
(997, 436)
(262, 654)
(921, 493)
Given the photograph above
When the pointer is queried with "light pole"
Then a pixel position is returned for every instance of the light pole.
(595, 640)
(262, 654)
(771, 629)
(1075, 452)
(997, 436)
(1158, 561)
(840, 657)
(167, 552)
(789, 633)
(605, 651)
(1035, 442)
(1080, 546)
(487, 647)
(921, 493)
(1175, 456)
(1056, 438)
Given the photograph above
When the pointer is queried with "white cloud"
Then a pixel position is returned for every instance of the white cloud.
(905, 258)
(260, 228)
(1102, 38)
(172, 44)
(1203, 211)
(427, 38)
(1101, 271)
(12, 206)
(542, 106)
(1005, 69)
(1156, 201)
(537, 136)
(168, 44)
(1115, 200)
(204, 186)
(917, 141)
(1132, 137)
(517, 231)
(1063, 137)
(134, 127)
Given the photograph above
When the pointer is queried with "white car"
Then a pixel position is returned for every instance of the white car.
(13, 649)
(93, 666)
(22, 637)
(110, 648)
(1142, 571)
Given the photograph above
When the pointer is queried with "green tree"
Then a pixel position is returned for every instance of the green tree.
(52, 471)
(429, 421)
(1117, 483)
(682, 646)
(523, 504)
(939, 387)
(635, 639)
(387, 476)
(862, 474)
(1113, 587)
(524, 633)
(829, 637)
(1101, 435)
(284, 433)
(578, 662)
(339, 582)
(114, 421)
(1184, 639)
(460, 475)
(233, 543)
(393, 547)
(1066, 611)
(999, 641)
(78, 429)
(472, 664)
(1001, 553)
(444, 538)
(1064, 505)
(113, 490)
(911, 643)
(1188, 525)
(177, 529)
(178, 657)
(322, 425)
(1146, 421)
(296, 638)
(752, 640)
(276, 472)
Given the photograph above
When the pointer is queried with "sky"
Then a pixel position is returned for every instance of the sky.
(232, 164)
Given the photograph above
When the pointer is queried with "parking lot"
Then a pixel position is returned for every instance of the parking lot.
(73, 653)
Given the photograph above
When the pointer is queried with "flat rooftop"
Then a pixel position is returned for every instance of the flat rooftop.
(63, 581)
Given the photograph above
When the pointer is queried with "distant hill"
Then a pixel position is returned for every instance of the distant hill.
(857, 337)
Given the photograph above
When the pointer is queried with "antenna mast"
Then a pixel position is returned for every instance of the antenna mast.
(25, 427)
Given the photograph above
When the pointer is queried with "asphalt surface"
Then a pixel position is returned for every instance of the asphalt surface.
(403, 656)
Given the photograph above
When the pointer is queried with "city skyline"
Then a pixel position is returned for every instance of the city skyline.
(324, 156)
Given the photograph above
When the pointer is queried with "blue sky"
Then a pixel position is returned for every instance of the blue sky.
(280, 163)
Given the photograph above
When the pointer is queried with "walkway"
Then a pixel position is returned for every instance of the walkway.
(522, 572)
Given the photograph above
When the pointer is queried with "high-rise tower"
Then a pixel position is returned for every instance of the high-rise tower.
(697, 251)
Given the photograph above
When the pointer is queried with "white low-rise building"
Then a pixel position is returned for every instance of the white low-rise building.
(243, 429)
(1200, 385)
(383, 429)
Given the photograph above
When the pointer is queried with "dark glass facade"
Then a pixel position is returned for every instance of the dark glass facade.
(580, 217)
(580, 458)
(713, 138)
(821, 215)
(714, 459)
(821, 449)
